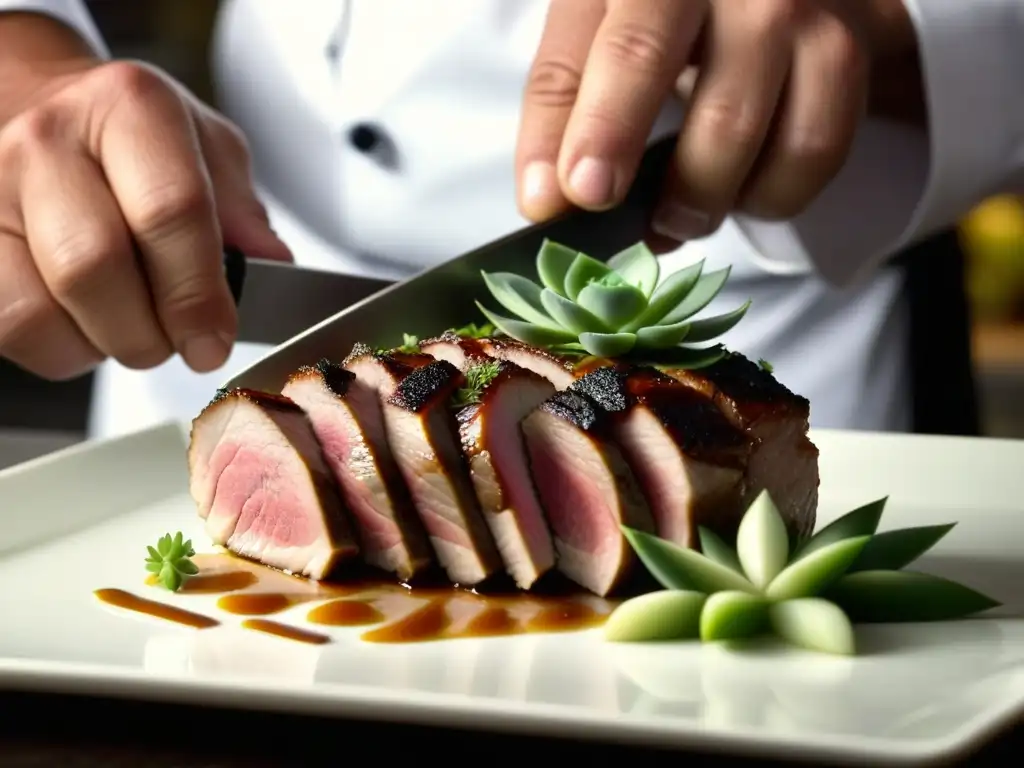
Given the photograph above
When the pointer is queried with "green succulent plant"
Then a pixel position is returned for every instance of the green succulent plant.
(809, 594)
(613, 309)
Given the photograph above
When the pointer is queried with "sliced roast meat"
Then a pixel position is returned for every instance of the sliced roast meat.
(346, 417)
(458, 350)
(559, 370)
(784, 460)
(492, 442)
(423, 435)
(586, 488)
(259, 479)
(689, 459)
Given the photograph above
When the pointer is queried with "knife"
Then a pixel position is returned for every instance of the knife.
(277, 300)
(443, 297)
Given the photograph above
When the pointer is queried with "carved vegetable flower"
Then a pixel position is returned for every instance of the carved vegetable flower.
(843, 574)
(611, 310)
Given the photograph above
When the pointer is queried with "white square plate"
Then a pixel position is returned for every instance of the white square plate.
(80, 519)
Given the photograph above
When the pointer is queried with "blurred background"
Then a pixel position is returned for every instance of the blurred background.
(38, 416)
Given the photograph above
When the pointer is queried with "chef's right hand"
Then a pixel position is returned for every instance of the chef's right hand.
(117, 194)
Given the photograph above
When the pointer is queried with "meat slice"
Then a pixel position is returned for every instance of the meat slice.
(260, 481)
(421, 430)
(492, 441)
(346, 417)
(458, 350)
(559, 370)
(784, 460)
(586, 488)
(689, 459)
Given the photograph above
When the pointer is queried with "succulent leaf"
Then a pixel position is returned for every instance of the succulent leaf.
(664, 615)
(815, 624)
(863, 521)
(733, 616)
(714, 548)
(583, 271)
(678, 568)
(638, 267)
(892, 550)
(702, 294)
(713, 327)
(519, 296)
(900, 596)
(526, 332)
(689, 358)
(553, 262)
(608, 344)
(667, 295)
(570, 315)
(614, 305)
(815, 572)
(662, 336)
(762, 541)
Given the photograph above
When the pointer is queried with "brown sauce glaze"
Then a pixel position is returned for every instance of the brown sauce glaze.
(129, 602)
(285, 631)
(391, 612)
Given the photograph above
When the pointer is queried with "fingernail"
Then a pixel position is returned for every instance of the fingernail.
(207, 352)
(680, 222)
(593, 182)
(540, 185)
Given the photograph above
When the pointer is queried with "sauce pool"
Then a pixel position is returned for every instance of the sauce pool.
(391, 612)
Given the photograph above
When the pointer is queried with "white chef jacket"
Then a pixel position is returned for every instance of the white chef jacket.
(442, 80)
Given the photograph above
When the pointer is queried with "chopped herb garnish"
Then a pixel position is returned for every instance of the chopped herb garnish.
(410, 345)
(474, 331)
(169, 561)
(478, 377)
(765, 365)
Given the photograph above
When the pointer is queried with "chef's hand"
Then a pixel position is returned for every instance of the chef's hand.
(780, 88)
(117, 194)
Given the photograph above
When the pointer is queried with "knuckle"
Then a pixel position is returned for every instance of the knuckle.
(33, 129)
(729, 123)
(80, 263)
(638, 47)
(166, 208)
(130, 79)
(553, 83)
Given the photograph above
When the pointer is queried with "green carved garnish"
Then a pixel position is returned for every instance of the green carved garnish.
(477, 378)
(169, 561)
(611, 310)
(810, 595)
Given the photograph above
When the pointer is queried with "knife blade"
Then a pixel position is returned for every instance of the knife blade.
(277, 300)
(444, 297)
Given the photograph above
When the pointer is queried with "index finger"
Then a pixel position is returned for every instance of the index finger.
(638, 53)
(549, 97)
(150, 152)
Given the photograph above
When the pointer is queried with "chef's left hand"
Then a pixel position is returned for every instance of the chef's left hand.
(781, 86)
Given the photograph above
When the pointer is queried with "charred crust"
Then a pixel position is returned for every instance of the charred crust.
(359, 350)
(744, 381)
(576, 408)
(336, 378)
(427, 385)
(606, 387)
(256, 397)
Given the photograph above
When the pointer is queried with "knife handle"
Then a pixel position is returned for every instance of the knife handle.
(234, 272)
